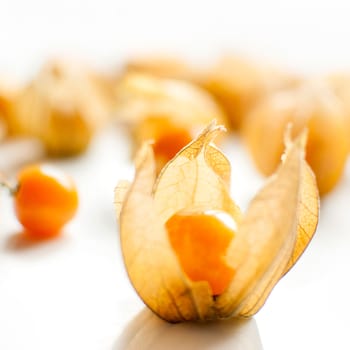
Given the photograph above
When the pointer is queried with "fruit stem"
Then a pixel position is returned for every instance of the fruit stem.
(11, 188)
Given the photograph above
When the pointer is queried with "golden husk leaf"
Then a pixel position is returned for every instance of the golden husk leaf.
(274, 232)
(270, 237)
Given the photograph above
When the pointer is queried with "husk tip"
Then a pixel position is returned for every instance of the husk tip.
(212, 130)
(144, 152)
(299, 141)
(120, 194)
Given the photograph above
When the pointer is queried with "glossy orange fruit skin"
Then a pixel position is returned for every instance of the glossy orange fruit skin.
(200, 242)
(45, 201)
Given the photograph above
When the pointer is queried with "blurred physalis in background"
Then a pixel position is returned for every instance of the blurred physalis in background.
(167, 112)
(235, 82)
(312, 105)
(63, 106)
(238, 84)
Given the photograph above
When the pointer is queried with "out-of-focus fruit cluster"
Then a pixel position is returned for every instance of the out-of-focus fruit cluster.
(260, 101)
(167, 101)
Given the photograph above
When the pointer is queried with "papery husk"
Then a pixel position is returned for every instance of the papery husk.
(146, 249)
(239, 83)
(268, 241)
(141, 96)
(314, 106)
(165, 110)
(63, 107)
(276, 229)
(340, 83)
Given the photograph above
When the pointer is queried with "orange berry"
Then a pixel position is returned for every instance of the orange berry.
(200, 241)
(168, 137)
(45, 201)
(171, 141)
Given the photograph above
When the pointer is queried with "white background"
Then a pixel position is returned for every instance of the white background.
(73, 293)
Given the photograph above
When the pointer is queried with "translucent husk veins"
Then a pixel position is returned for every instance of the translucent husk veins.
(271, 235)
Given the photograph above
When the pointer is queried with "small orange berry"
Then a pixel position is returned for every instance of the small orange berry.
(45, 201)
(168, 137)
(169, 142)
(200, 241)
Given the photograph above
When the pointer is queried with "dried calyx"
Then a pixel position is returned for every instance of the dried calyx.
(63, 107)
(238, 261)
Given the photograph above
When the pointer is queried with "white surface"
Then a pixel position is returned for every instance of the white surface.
(73, 293)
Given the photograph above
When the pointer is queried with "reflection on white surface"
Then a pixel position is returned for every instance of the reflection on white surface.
(147, 331)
